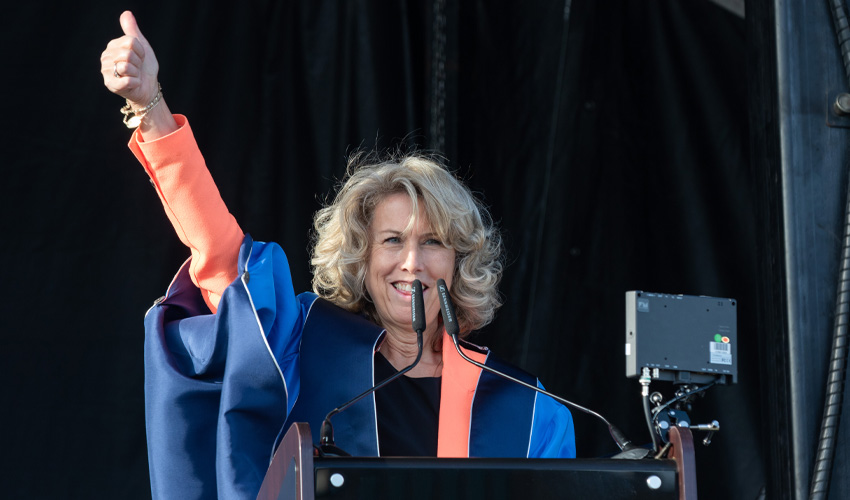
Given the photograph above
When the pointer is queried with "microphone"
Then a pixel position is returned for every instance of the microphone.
(417, 316)
(628, 450)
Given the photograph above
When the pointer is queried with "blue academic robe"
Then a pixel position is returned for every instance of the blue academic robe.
(221, 389)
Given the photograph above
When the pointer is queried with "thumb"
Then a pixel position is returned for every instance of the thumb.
(129, 25)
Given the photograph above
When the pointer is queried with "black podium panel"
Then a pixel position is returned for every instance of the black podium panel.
(525, 479)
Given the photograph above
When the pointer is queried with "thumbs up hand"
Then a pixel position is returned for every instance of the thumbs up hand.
(129, 66)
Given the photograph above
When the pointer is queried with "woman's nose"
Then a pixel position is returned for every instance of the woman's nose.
(411, 260)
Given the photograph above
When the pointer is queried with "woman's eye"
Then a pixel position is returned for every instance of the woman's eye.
(392, 239)
(433, 241)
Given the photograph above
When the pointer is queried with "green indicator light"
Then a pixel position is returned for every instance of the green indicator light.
(718, 338)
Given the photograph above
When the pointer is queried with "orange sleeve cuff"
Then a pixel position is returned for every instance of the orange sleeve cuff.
(194, 206)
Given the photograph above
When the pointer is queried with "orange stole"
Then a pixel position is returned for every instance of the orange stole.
(460, 379)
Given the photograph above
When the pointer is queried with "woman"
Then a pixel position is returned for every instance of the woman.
(233, 356)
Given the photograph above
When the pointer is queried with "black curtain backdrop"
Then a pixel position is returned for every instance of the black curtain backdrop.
(611, 148)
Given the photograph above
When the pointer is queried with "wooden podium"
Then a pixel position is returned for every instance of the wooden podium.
(296, 474)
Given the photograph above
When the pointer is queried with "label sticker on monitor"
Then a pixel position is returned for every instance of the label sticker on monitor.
(721, 353)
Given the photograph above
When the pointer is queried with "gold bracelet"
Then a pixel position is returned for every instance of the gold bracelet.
(138, 114)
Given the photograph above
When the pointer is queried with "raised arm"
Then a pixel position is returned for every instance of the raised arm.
(164, 145)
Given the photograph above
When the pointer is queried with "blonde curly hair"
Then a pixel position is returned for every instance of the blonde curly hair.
(341, 237)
